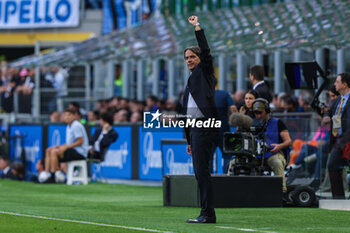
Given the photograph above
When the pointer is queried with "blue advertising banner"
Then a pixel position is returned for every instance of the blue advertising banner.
(118, 159)
(20, 14)
(56, 135)
(176, 161)
(32, 144)
(150, 154)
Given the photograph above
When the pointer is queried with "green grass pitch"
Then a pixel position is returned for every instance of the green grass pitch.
(126, 208)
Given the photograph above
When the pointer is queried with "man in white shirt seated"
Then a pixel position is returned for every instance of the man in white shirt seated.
(76, 147)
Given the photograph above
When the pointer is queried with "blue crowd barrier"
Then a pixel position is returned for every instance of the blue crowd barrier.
(150, 154)
(26, 143)
(138, 153)
(118, 158)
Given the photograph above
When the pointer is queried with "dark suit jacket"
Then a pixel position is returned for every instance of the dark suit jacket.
(106, 141)
(201, 83)
(264, 91)
(345, 123)
(8, 175)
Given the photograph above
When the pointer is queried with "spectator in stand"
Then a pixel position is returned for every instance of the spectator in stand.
(170, 112)
(100, 106)
(93, 117)
(247, 108)
(141, 106)
(313, 151)
(7, 86)
(256, 75)
(62, 117)
(114, 103)
(171, 106)
(151, 103)
(277, 102)
(57, 76)
(273, 104)
(121, 116)
(118, 81)
(124, 104)
(74, 105)
(238, 98)
(289, 104)
(161, 105)
(136, 117)
(304, 102)
(133, 106)
(25, 90)
(55, 117)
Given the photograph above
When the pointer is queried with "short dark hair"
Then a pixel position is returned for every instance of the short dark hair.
(153, 98)
(72, 111)
(345, 78)
(19, 168)
(288, 99)
(5, 158)
(75, 104)
(194, 49)
(96, 113)
(257, 72)
(107, 117)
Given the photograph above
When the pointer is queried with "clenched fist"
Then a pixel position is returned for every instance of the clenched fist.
(193, 20)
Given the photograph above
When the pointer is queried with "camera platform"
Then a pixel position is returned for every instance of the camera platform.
(229, 191)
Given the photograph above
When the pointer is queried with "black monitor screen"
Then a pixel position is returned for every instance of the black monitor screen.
(301, 75)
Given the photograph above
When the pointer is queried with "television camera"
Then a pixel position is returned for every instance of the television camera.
(248, 147)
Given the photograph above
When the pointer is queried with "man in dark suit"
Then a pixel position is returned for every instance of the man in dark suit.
(340, 115)
(256, 76)
(103, 137)
(199, 104)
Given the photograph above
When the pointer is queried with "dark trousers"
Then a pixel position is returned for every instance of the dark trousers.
(335, 168)
(202, 143)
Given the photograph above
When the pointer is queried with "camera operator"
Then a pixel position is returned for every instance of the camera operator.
(277, 136)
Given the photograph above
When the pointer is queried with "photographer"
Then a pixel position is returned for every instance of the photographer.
(277, 136)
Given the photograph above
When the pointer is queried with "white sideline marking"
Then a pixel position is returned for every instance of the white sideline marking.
(245, 229)
(84, 222)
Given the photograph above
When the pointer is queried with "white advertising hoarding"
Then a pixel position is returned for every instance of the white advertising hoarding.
(25, 14)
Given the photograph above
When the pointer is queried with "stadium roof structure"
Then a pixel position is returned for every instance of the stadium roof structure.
(294, 24)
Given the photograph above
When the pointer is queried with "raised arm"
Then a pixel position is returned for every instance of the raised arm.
(206, 58)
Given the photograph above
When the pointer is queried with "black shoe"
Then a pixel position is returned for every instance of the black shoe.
(202, 219)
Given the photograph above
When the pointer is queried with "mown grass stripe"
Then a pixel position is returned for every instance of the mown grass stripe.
(84, 222)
